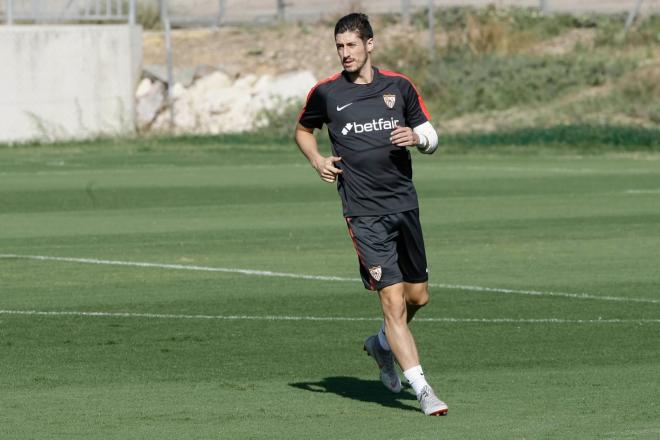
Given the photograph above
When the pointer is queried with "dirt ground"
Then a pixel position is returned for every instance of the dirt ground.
(278, 49)
(240, 50)
(259, 50)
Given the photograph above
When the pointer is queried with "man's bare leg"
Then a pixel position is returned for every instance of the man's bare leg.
(400, 302)
(395, 314)
(417, 296)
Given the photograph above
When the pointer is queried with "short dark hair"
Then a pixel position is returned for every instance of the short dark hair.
(355, 22)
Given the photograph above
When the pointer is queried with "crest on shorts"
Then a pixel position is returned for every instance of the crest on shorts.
(376, 272)
(389, 100)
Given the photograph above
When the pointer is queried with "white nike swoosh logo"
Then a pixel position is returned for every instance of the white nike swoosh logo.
(343, 106)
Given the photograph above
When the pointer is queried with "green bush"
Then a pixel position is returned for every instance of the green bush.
(640, 94)
(497, 30)
(148, 15)
(609, 31)
(512, 30)
(280, 121)
(646, 31)
(522, 19)
(460, 85)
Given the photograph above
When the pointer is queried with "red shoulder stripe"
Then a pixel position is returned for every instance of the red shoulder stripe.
(419, 97)
(323, 81)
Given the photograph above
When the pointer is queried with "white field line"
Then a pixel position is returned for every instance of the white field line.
(266, 273)
(320, 318)
(642, 191)
(141, 170)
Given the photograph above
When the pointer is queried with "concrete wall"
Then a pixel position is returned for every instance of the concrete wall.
(64, 82)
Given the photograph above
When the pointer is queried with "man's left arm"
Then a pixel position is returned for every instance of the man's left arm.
(424, 137)
(420, 133)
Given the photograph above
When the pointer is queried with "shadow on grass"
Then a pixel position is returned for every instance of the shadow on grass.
(371, 391)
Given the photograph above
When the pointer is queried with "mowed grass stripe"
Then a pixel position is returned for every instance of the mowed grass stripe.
(56, 286)
(266, 273)
(95, 195)
(54, 313)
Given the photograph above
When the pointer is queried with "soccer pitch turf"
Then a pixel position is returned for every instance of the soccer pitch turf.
(248, 322)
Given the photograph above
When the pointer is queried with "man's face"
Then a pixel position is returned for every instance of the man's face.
(353, 52)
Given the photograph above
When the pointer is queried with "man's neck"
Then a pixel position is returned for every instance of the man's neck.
(363, 76)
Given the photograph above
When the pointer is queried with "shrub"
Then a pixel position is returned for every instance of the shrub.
(459, 85)
(280, 121)
(641, 94)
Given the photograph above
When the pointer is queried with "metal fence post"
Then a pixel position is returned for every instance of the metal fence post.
(10, 12)
(221, 12)
(165, 19)
(132, 5)
(632, 15)
(431, 8)
(405, 11)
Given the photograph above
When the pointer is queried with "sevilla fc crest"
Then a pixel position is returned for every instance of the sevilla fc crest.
(376, 272)
(389, 100)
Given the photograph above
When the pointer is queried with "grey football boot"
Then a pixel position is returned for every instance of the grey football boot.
(385, 361)
(431, 405)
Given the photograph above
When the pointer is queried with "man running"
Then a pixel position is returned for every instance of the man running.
(372, 115)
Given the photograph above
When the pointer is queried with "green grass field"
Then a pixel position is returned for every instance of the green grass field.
(570, 351)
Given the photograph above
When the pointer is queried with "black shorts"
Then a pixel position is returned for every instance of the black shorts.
(390, 248)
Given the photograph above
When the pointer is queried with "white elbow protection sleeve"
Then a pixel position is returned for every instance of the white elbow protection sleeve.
(428, 138)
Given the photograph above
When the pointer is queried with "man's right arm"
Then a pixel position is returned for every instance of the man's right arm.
(309, 147)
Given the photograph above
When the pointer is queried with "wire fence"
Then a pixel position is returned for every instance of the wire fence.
(62, 11)
(183, 13)
(205, 12)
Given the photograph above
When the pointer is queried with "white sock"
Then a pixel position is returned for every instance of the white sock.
(382, 339)
(415, 377)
